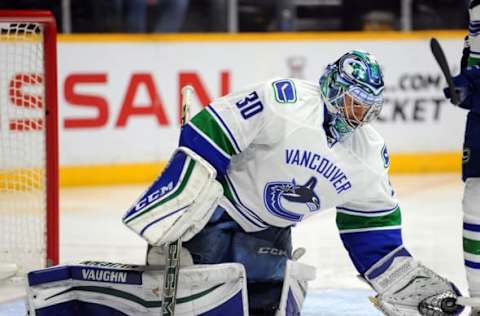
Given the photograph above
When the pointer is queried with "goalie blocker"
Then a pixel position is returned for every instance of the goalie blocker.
(179, 203)
(103, 288)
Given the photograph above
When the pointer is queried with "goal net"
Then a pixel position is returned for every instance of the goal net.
(28, 142)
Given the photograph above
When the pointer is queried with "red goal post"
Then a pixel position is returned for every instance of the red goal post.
(29, 221)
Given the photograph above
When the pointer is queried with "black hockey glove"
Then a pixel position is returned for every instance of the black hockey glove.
(467, 85)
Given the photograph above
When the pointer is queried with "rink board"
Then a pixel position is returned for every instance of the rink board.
(119, 95)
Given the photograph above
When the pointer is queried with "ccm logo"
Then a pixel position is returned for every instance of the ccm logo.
(271, 251)
(152, 197)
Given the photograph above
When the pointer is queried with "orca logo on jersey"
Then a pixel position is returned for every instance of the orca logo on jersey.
(291, 201)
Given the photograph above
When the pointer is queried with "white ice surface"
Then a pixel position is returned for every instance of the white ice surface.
(91, 228)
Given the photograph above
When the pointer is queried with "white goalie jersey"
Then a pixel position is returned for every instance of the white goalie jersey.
(277, 165)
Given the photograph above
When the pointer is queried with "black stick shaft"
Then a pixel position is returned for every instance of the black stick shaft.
(439, 55)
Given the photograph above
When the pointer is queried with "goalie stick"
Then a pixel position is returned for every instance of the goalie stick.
(172, 263)
(439, 55)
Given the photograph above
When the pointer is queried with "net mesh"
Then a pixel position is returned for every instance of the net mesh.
(22, 146)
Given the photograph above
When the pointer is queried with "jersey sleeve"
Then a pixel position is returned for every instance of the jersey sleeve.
(227, 126)
(370, 224)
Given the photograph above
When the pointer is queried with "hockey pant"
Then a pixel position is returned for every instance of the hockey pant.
(264, 255)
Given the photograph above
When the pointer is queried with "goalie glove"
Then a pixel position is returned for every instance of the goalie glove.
(406, 288)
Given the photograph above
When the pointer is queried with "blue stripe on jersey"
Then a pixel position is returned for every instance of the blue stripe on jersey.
(471, 264)
(234, 191)
(251, 214)
(190, 138)
(473, 28)
(471, 227)
(224, 125)
(367, 212)
(251, 221)
(366, 248)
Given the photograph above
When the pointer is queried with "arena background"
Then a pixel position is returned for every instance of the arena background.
(119, 97)
(125, 89)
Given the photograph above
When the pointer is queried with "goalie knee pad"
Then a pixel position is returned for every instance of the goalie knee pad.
(180, 201)
(102, 288)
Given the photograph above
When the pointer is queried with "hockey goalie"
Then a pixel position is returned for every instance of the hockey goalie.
(248, 167)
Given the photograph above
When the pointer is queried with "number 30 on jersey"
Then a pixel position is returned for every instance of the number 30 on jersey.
(250, 105)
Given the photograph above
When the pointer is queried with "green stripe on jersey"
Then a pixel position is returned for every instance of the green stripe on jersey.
(226, 191)
(347, 221)
(472, 61)
(205, 122)
(471, 246)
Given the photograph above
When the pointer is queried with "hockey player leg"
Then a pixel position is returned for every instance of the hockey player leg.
(102, 288)
(295, 287)
(406, 287)
(273, 279)
(471, 234)
(179, 203)
(471, 205)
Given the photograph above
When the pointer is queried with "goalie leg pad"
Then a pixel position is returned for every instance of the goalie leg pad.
(103, 288)
(179, 203)
(406, 287)
(295, 288)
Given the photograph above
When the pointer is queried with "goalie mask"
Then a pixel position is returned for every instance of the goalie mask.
(352, 89)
